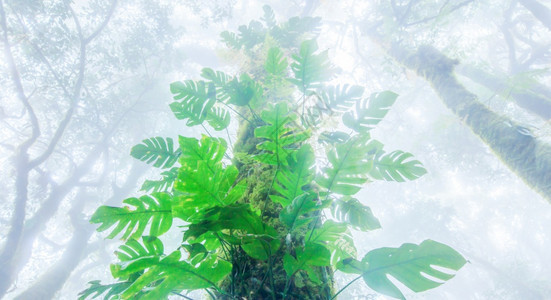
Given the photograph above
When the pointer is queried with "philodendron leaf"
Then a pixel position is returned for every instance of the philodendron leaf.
(408, 264)
(369, 112)
(163, 275)
(162, 185)
(276, 63)
(396, 166)
(294, 176)
(359, 216)
(312, 255)
(158, 151)
(297, 214)
(155, 210)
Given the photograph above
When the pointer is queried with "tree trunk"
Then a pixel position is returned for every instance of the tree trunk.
(529, 99)
(528, 157)
(254, 279)
(540, 11)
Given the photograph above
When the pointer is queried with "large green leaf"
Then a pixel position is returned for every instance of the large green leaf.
(369, 112)
(96, 289)
(396, 166)
(351, 211)
(298, 213)
(162, 185)
(155, 210)
(132, 249)
(307, 258)
(293, 177)
(163, 275)
(336, 237)
(280, 133)
(247, 229)
(408, 264)
(158, 151)
(339, 98)
(348, 165)
(196, 100)
(276, 63)
(244, 91)
(202, 181)
(310, 69)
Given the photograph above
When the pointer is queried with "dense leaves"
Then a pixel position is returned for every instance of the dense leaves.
(237, 223)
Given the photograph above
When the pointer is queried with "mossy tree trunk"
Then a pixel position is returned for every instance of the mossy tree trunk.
(256, 279)
(525, 155)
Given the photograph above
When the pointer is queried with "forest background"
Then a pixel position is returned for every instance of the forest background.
(84, 81)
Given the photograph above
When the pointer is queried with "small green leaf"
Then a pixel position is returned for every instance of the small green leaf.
(276, 63)
(369, 112)
(396, 166)
(359, 216)
(158, 151)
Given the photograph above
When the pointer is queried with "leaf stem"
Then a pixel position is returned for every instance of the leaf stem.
(340, 291)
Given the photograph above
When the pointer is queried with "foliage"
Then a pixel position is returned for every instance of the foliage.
(230, 227)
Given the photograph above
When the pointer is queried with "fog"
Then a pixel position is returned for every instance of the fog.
(84, 81)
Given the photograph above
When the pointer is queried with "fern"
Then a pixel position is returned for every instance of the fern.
(158, 151)
(369, 112)
(155, 209)
(396, 166)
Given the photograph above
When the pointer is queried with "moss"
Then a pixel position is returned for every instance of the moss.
(255, 279)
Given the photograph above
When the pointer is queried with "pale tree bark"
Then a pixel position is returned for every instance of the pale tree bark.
(51, 281)
(517, 148)
(532, 99)
(540, 11)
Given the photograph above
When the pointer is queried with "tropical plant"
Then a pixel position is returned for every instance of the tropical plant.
(255, 217)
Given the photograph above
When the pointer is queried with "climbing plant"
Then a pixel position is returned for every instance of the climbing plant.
(256, 214)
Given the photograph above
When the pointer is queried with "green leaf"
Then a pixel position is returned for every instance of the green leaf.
(407, 264)
(158, 151)
(231, 40)
(295, 29)
(162, 185)
(172, 274)
(276, 63)
(348, 165)
(396, 166)
(307, 258)
(281, 134)
(339, 98)
(359, 216)
(202, 180)
(218, 118)
(196, 100)
(248, 230)
(154, 210)
(244, 91)
(96, 289)
(336, 238)
(269, 16)
(297, 214)
(294, 176)
(369, 112)
(310, 69)
(132, 249)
